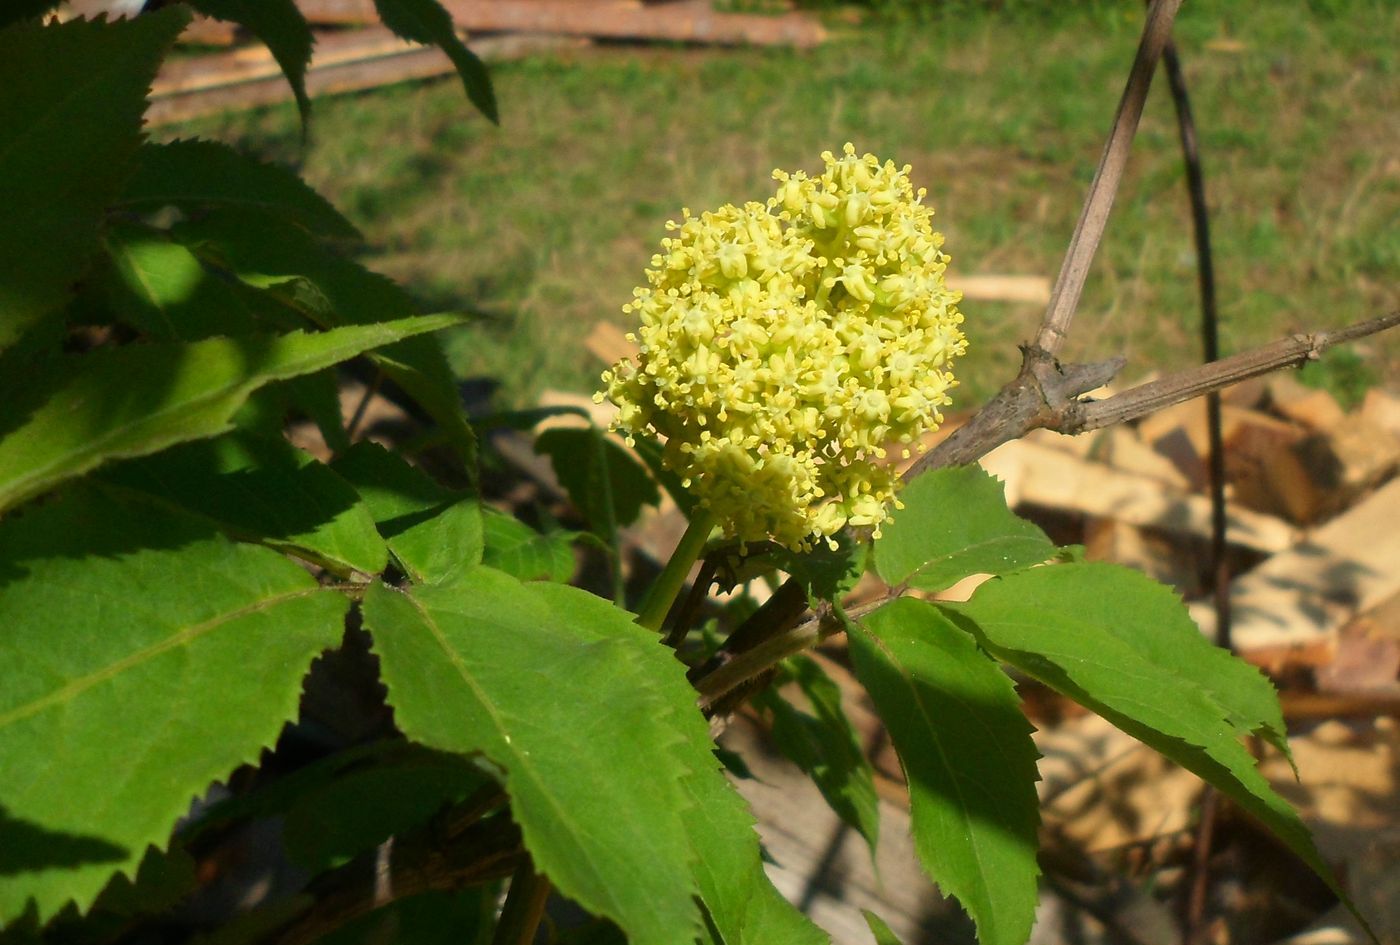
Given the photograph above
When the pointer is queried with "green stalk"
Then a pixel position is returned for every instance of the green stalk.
(668, 584)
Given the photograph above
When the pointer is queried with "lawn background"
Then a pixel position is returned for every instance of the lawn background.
(544, 224)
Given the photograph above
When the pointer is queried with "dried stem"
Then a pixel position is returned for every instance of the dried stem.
(1069, 285)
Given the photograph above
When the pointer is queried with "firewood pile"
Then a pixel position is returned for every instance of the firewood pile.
(227, 69)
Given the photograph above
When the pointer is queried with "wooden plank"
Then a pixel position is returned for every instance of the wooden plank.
(1299, 600)
(249, 78)
(999, 288)
(695, 22)
(1056, 479)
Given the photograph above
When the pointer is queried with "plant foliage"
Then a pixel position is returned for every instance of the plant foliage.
(180, 587)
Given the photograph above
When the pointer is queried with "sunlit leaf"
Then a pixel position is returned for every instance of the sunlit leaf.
(145, 656)
(59, 420)
(967, 754)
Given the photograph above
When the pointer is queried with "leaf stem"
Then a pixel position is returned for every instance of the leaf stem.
(668, 584)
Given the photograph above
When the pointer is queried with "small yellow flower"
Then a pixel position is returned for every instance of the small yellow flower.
(783, 346)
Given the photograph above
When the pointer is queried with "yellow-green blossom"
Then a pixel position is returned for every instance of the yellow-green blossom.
(784, 346)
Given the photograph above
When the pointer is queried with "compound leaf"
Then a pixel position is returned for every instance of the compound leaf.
(425, 21)
(71, 99)
(145, 656)
(967, 753)
(265, 490)
(434, 532)
(202, 174)
(954, 523)
(586, 713)
(64, 419)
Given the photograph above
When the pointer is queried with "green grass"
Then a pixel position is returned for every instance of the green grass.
(545, 224)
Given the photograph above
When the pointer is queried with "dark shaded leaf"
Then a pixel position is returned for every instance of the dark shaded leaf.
(603, 480)
(55, 183)
(825, 746)
(281, 27)
(425, 21)
(193, 174)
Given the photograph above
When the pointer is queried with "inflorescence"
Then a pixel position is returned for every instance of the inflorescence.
(785, 346)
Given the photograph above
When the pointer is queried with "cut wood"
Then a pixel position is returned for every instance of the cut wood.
(990, 288)
(248, 78)
(1383, 409)
(609, 344)
(695, 22)
(1313, 408)
(1299, 599)
(1045, 476)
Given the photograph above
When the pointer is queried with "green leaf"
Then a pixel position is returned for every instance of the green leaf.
(826, 747)
(281, 27)
(367, 805)
(1123, 646)
(967, 754)
(162, 289)
(61, 420)
(332, 291)
(145, 656)
(741, 902)
(203, 174)
(954, 523)
(523, 553)
(264, 490)
(425, 21)
(435, 533)
(587, 714)
(825, 573)
(71, 99)
(603, 480)
(884, 935)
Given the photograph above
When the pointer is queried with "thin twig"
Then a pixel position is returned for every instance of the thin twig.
(363, 405)
(1193, 382)
(524, 908)
(1069, 284)
(1210, 336)
(425, 861)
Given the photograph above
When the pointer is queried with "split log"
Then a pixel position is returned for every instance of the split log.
(1295, 603)
(694, 22)
(249, 78)
(1045, 476)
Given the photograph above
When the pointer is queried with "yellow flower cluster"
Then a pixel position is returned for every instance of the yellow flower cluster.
(784, 346)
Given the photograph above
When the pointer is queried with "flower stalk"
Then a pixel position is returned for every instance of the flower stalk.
(662, 595)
